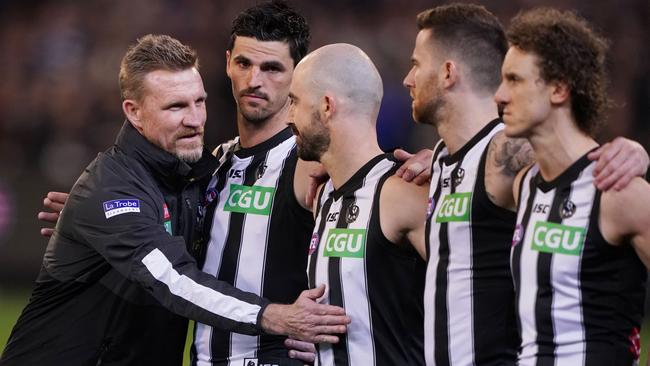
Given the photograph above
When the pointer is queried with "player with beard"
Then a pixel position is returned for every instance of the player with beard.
(469, 295)
(368, 221)
(260, 221)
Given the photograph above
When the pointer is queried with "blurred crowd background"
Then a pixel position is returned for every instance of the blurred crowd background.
(60, 103)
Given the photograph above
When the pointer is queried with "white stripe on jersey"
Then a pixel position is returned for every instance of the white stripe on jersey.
(432, 277)
(528, 290)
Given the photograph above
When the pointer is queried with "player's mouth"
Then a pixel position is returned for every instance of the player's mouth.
(253, 96)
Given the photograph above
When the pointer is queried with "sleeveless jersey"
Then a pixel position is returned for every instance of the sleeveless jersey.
(579, 299)
(377, 282)
(469, 295)
(258, 243)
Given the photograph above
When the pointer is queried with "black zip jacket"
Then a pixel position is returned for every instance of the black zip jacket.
(117, 281)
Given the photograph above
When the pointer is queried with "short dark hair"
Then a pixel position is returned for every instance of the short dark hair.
(151, 53)
(474, 34)
(569, 51)
(273, 21)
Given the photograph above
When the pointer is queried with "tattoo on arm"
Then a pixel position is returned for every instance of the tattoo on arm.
(511, 155)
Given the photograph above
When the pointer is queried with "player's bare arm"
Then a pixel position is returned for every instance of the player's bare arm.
(620, 161)
(304, 182)
(402, 212)
(625, 216)
(506, 157)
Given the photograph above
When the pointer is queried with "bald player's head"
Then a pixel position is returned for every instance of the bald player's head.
(336, 83)
(347, 74)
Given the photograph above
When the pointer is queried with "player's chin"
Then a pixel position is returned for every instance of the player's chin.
(511, 129)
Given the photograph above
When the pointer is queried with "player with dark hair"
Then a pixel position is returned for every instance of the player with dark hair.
(260, 220)
(578, 253)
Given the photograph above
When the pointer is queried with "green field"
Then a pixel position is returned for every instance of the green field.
(11, 304)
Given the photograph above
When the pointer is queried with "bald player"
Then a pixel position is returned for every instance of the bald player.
(365, 216)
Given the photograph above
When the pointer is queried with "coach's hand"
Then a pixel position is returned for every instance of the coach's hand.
(300, 350)
(305, 319)
(416, 167)
(54, 201)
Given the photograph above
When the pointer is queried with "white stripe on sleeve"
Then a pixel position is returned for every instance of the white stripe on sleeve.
(213, 301)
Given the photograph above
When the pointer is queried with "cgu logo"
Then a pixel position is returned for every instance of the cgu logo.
(455, 207)
(555, 238)
(250, 199)
(349, 243)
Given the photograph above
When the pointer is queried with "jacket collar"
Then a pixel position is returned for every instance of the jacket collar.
(161, 162)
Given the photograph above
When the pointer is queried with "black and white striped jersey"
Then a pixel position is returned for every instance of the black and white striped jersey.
(377, 282)
(469, 296)
(579, 299)
(259, 239)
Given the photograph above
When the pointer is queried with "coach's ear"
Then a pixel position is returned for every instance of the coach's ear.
(131, 110)
(560, 92)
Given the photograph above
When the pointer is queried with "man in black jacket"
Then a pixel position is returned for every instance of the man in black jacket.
(117, 281)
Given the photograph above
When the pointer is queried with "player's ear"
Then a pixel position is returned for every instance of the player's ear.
(327, 107)
(448, 74)
(560, 92)
(228, 63)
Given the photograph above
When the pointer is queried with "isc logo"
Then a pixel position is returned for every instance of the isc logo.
(555, 238)
(250, 199)
(345, 243)
(455, 207)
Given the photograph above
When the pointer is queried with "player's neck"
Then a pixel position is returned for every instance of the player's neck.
(348, 152)
(255, 133)
(464, 118)
(558, 143)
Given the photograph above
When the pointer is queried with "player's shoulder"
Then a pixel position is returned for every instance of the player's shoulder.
(396, 188)
(626, 211)
(637, 191)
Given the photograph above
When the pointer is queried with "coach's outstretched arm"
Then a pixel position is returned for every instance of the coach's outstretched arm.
(123, 228)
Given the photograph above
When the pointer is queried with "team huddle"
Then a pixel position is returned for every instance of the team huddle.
(301, 241)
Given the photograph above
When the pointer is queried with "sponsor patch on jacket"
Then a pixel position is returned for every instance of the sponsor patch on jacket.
(167, 219)
(118, 207)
